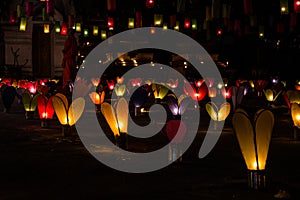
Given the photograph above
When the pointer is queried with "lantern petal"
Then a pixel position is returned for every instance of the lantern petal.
(60, 109)
(64, 99)
(49, 108)
(212, 111)
(264, 124)
(295, 112)
(26, 99)
(110, 116)
(41, 104)
(244, 132)
(183, 105)
(76, 110)
(122, 115)
(34, 102)
(224, 111)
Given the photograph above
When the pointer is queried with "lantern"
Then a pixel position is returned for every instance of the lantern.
(64, 29)
(12, 17)
(293, 96)
(226, 92)
(103, 34)
(120, 89)
(136, 82)
(98, 99)
(46, 28)
(149, 3)
(284, 7)
(110, 84)
(95, 30)
(159, 91)
(195, 93)
(130, 23)
(172, 84)
(177, 106)
(31, 86)
(78, 27)
(30, 103)
(218, 114)
(297, 6)
(120, 79)
(95, 82)
(187, 23)
(261, 32)
(212, 92)
(271, 95)
(67, 114)
(23, 23)
(82, 88)
(45, 108)
(295, 112)
(117, 121)
(57, 27)
(194, 24)
(110, 23)
(219, 31)
(86, 32)
(259, 85)
(254, 139)
(176, 27)
(158, 19)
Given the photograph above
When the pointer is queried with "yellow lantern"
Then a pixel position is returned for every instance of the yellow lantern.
(78, 27)
(176, 27)
(194, 24)
(271, 95)
(254, 139)
(29, 103)
(95, 30)
(295, 112)
(67, 114)
(284, 7)
(23, 23)
(46, 28)
(159, 91)
(165, 26)
(261, 32)
(120, 89)
(86, 32)
(130, 23)
(293, 96)
(103, 34)
(57, 27)
(158, 19)
(217, 114)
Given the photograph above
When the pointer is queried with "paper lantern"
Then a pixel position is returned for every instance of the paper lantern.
(254, 139)
(97, 98)
(139, 20)
(177, 106)
(45, 108)
(95, 30)
(95, 82)
(110, 84)
(177, 26)
(103, 34)
(31, 86)
(130, 23)
(120, 89)
(196, 94)
(23, 23)
(226, 92)
(165, 26)
(218, 114)
(67, 114)
(136, 82)
(78, 27)
(284, 7)
(86, 32)
(212, 92)
(46, 28)
(295, 112)
(30, 103)
(110, 23)
(120, 79)
(64, 29)
(261, 31)
(219, 31)
(159, 91)
(271, 95)
(194, 24)
(293, 96)
(158, 19)
(57, 27)
(149, 3)
(297, 6)
(187, 23)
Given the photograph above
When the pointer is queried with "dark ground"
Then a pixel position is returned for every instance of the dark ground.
(38, 163)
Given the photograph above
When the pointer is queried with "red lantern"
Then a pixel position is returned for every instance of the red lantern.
(219, 31)
(226, 93)
(136, 82)
(199, 83)
(297, 6)
(12, 17)
(64, 29)
(31, 86)
(187, 22)
(110, 23)
(196, 94)
(110, 84)
(45, 107)
(149, 3)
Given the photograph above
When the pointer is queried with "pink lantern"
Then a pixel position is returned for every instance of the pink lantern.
(136, 82)
(297, 6)
(187, 22)
(32, 86)
(226, 92)
(110, 84)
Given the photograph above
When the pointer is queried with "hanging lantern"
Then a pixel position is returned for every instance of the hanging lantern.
(57, 27)
(23, 23)
(46, 28)
(149, 3)
(254, 139)
(261, 32)
(194, 24)
(29, 8)
(103, 34)
(95, 30)
(130, 23)
(78, 27)
(176, 27)
(67, 114)
(284, 7)
(158, 19)
(138, 19)
(297, 6)
(111, 5)
(86, 32)
(110, 23)
(187, 23)
(30, 103)
(64, 29)
(45, 108)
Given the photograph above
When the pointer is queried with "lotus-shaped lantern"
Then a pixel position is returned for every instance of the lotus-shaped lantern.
(271, 95)
(159, 91)
(218, 114)
(196, 94)
(177, 106)
(45, 108)
(30, 103)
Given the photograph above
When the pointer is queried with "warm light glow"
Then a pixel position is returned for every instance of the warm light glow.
(130, 22)
(165, 26)
(176, 28)
(295, 112)
(46, 28)
(97, 98)
(23, 23)
(120, 90)
(78, 27)
(103, 34)
(86, 33)
(95, 30)
(283, 9)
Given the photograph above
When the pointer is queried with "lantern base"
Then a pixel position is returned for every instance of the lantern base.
(66, 130)
(175, 153)
(122, 140)
(257, 179)
(29, 114)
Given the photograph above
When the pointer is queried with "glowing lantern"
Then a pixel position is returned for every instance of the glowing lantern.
(110, 84)
(194, 24)
(196, 94)
(130, 23)
(177, 26)
(29, 102)
(95, 30)
(271, 95)
(45, 108)
(284, 7)
(254, 139)
(219, 31)
(136, 82)
(103, 34)
(261, 31)
(86, 32)
(260, 85)
(57, 27)
(165, 26)
(23, 23)
(295, 112)
(64, 29)
(293, 96)
(226, 92)
(218, 114)
(110, 23)
(32, 86)
(172, 84)
(158, 19)
(120, 90)
(67, 114)
(46, 28)
(212, 92)
(117, 121)
(120, 79)
(159, 91)
(199, 83)
(12, 17)
(78, 27)
(98, 99)
(178, 106)
(22, 84)
(297, 6)
(95, 82)
(149, 3)
(187, 23)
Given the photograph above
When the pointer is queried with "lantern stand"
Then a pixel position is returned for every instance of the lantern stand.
(175, 153)
(122, 140)
(295, 133)
(257, 179)
(29, 114)
(66, 130)
(44, 123)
